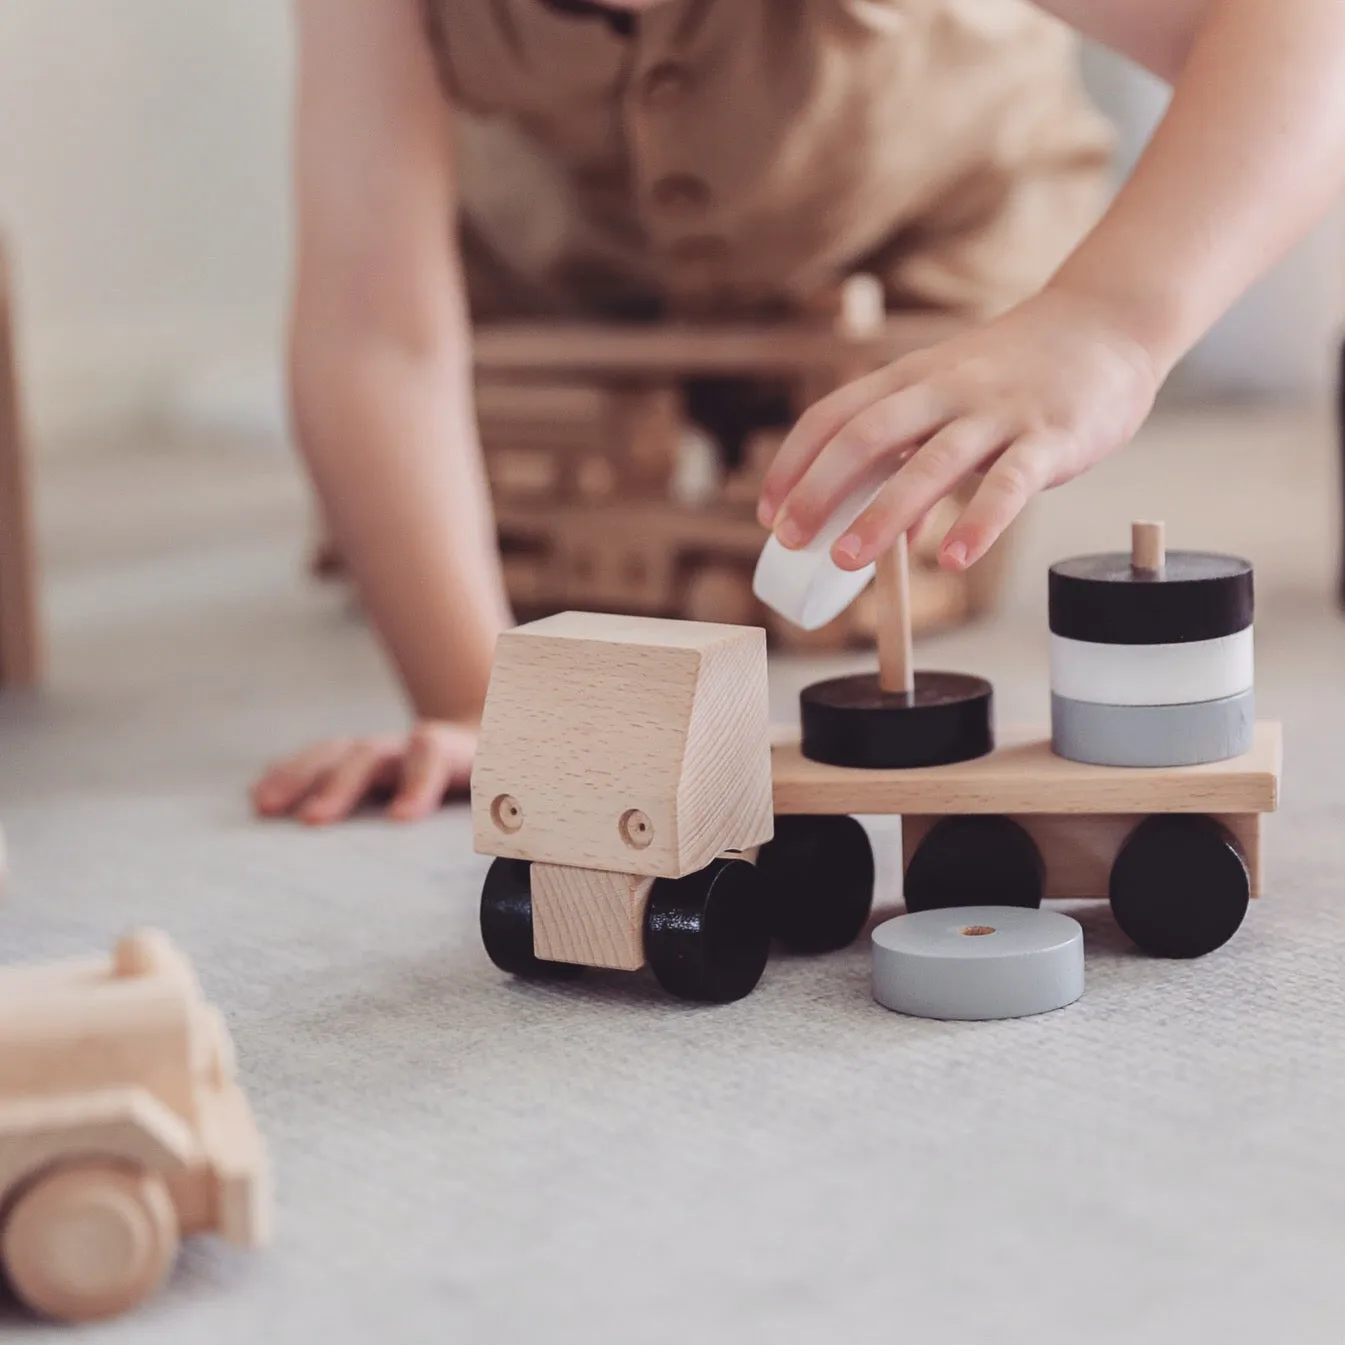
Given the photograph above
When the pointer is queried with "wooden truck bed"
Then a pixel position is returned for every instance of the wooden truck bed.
(1023, 775)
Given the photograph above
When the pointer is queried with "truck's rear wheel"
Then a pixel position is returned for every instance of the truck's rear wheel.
(90, 1241)
(1180, 886)
(975, 861)
(707, 936)
(506, 923)
(818, 874)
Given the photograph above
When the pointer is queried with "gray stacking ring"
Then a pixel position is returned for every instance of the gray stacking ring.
(1153, 735)
(978, 962)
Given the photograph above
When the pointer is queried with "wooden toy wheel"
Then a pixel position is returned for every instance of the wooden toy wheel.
(707, 936)
(1180, 886)
(818, 875)
(90, 1242)
(506, 923)
(975, 861)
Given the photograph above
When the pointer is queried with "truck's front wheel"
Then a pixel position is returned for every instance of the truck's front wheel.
(707, 936)
(89, 1242)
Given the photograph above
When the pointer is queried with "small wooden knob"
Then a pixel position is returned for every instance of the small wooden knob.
(1148, 551)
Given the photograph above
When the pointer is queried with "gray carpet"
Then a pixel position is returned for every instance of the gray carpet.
(462, 1158)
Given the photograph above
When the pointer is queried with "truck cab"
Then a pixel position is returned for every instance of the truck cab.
(623, 785)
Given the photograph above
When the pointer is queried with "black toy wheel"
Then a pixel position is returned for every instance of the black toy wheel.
(818, 877)
(707, 936)
(975, 861)
(506, 923)
(1180, 886)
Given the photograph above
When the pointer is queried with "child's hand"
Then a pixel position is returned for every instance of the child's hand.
(327, 782)
(1032, 399)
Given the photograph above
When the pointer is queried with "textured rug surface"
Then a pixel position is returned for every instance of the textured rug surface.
(463, 1158)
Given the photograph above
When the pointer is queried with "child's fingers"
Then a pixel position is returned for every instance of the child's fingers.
(1023, 470)
(289, 781)
(934, 471)
(815, 428)
(364, 765)
(435, 763)
(872, 441)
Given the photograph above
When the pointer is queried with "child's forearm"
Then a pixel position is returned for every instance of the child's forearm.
(1249, 156)
(390, 440)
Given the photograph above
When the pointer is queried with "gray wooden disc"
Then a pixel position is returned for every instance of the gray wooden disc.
(978, 962)
(1153, 735)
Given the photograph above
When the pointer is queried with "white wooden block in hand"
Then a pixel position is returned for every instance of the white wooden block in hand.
(805, 586)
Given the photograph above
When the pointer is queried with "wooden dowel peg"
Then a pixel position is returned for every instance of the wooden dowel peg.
(896, 664)
(1148, 551)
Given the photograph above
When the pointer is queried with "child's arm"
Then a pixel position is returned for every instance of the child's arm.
(1249, 156)
(381, 387)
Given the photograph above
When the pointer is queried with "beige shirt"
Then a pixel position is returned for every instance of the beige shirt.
(740, 155)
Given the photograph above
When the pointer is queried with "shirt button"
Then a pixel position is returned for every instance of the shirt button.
(665, 83)
(680, 192)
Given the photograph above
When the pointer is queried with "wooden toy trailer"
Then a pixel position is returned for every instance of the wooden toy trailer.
(1177, 851)
(121, 1129)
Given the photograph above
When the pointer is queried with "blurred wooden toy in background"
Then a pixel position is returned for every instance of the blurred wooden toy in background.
(610, 496)
(21, 651)
(122, 1128)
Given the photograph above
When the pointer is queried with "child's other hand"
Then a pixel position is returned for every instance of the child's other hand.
(1032, 399)
(329, 781)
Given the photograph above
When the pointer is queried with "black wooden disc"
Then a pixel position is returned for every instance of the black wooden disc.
(1196, 596)
(852, 721)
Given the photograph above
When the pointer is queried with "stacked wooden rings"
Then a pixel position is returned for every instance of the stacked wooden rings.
(1151, 656)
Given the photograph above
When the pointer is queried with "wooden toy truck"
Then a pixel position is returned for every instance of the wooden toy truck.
(121, 1129)
(622, 780)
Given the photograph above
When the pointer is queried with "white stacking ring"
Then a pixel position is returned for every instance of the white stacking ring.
(805, 586)
(1152, 674)
(978, 962)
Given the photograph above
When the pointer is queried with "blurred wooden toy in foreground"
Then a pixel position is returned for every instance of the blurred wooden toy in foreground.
(122, 1129)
